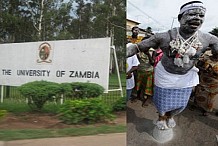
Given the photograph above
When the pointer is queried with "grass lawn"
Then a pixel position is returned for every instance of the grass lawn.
(8, 135)
(16, 105)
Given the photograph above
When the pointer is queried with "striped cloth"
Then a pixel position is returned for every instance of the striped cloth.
(170, 99)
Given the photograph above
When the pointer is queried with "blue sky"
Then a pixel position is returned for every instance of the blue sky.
(161, 15)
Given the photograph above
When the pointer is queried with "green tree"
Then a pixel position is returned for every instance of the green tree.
(110, 21)
(43, 20)
(10, 21)
(81, 25)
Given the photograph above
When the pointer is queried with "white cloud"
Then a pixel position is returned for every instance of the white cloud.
(159, 14)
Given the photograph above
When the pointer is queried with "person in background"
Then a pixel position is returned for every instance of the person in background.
(144, 83)
(131, 66)
(134, 38)
(207, 90)
(176, 73)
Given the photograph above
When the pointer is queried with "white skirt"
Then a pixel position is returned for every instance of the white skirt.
(164, 79)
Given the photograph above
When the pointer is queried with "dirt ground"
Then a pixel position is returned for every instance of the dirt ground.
(46, 121)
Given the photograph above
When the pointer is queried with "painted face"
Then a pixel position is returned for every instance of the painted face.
(192, 20)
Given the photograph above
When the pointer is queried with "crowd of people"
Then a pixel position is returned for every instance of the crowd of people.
(144, 73)
(180, 69)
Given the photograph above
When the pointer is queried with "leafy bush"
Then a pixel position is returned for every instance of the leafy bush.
(80, 90)
(2, 113)
(66, 89)
(88, 110)
(120, 104)
(39, 92)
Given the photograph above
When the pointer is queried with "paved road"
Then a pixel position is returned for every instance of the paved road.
(192, 129)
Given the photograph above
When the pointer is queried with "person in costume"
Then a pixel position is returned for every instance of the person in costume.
(176, 73)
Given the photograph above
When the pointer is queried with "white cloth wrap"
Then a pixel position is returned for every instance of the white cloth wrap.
(164, 79)
(192, 6)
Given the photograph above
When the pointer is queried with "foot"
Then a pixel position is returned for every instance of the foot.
(171, 123)
(161, 125)
(144, 103)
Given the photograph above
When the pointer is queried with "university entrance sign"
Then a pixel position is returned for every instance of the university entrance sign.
(85, 60)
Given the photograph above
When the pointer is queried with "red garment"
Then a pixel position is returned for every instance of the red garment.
(158, 57)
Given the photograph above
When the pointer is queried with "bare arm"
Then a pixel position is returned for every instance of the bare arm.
(129, 73)
(131, 50)
(144, 46)
(152, 42)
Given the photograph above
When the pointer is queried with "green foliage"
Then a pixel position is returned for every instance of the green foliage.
(39, 92)
(120, 104)
(80, 90)
(89, 110)
(2, 113)
(15, 106)
(51, 108)
(22, 21)
(66, 89)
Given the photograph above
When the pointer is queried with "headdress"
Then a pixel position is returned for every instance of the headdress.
(189, 6)
(192, 5)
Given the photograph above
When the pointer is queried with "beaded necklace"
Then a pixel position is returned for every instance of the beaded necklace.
(185, 48)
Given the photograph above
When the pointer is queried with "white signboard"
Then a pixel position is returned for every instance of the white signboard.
(85, 60)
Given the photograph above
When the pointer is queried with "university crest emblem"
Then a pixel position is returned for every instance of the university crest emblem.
(44, 53)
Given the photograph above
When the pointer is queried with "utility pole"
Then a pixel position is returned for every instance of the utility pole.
(173, 21)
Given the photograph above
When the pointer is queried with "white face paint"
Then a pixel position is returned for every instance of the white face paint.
(192, 20)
